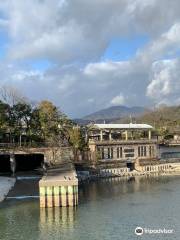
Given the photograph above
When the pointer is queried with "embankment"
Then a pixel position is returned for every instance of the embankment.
(6, 183)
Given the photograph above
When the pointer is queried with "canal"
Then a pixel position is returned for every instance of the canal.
(108, 209)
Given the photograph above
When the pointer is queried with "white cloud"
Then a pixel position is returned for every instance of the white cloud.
(79, 30)
(118, 100)
(164, 86)
(104, 67)
(165, 45)
(66, 82)
(74, 36)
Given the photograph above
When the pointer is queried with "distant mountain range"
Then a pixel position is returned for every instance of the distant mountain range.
(111, 114)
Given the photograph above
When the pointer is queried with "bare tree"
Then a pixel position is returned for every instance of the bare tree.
(11, 95)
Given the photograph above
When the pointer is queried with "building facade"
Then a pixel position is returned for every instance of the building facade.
(122, 143)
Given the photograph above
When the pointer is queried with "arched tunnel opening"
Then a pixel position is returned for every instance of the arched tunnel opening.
(5, 165)
(29, 162)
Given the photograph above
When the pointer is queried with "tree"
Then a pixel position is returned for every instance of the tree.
(28, 123)
(35, 126)
(4, 118)
(76, 140)
(11, 95)
(53, 123)
(20, 121)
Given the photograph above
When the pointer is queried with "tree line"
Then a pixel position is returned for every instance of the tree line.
(24, 123)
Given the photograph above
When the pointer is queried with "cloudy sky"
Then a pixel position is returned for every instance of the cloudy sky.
(86, 55)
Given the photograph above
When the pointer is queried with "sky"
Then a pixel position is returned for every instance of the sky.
(88, 55)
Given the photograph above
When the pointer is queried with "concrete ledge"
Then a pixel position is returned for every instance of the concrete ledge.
(63, 179)
(60, 190)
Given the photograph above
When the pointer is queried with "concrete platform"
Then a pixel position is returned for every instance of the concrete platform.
(59, 190)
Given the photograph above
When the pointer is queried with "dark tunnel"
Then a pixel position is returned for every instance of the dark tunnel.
(28, 162)
(5, 166)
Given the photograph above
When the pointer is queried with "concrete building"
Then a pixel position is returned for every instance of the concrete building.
(123, 143)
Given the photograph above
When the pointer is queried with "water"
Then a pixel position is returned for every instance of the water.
(169, 152)
(108, 209)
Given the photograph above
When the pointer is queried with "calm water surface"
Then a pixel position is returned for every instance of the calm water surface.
(108, 209)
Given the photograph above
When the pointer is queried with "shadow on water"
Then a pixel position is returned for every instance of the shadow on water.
(25, 186)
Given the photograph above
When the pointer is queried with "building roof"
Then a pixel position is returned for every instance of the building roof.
(123, 126)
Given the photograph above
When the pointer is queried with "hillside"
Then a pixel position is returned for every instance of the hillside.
(166, 120)
(164, 117)
(115, 112)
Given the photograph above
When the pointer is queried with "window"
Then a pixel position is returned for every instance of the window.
(129, 155)
(150, 152)
(106, 153)
(102, 153)
(139, 151)
(142, 151)
(129, 150)
(118, 155)
(145, 152)
(111, 153)
(121, 155)
(119, 152)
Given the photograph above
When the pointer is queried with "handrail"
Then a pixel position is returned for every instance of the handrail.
(30, 145)
(124, 141)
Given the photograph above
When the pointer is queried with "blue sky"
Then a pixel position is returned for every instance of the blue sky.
(124, 48)
(4, 41)
(119, 49)
(40, 65)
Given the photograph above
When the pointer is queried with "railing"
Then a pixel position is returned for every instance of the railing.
(124, 141)
(172, 142)
(30, 145)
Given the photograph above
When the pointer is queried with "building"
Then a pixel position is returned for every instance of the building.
(122, 143)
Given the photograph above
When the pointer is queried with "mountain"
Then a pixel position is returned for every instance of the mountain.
(115, 112)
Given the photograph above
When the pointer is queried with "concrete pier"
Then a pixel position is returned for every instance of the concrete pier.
(59, 191)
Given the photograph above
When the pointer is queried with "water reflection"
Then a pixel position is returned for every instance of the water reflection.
(52, 219)
(118, 187)
(108, 209)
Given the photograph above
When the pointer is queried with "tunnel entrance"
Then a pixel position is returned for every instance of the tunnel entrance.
(29, 162)
(5, 166)
(130, 165)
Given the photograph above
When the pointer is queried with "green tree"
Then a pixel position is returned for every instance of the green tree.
(53, 123)
(76, 140)
(21, 114)
(4, 119)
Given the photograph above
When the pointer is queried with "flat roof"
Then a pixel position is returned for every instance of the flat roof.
(123, 126)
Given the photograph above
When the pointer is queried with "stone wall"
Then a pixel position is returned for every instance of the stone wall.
(58, 155)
